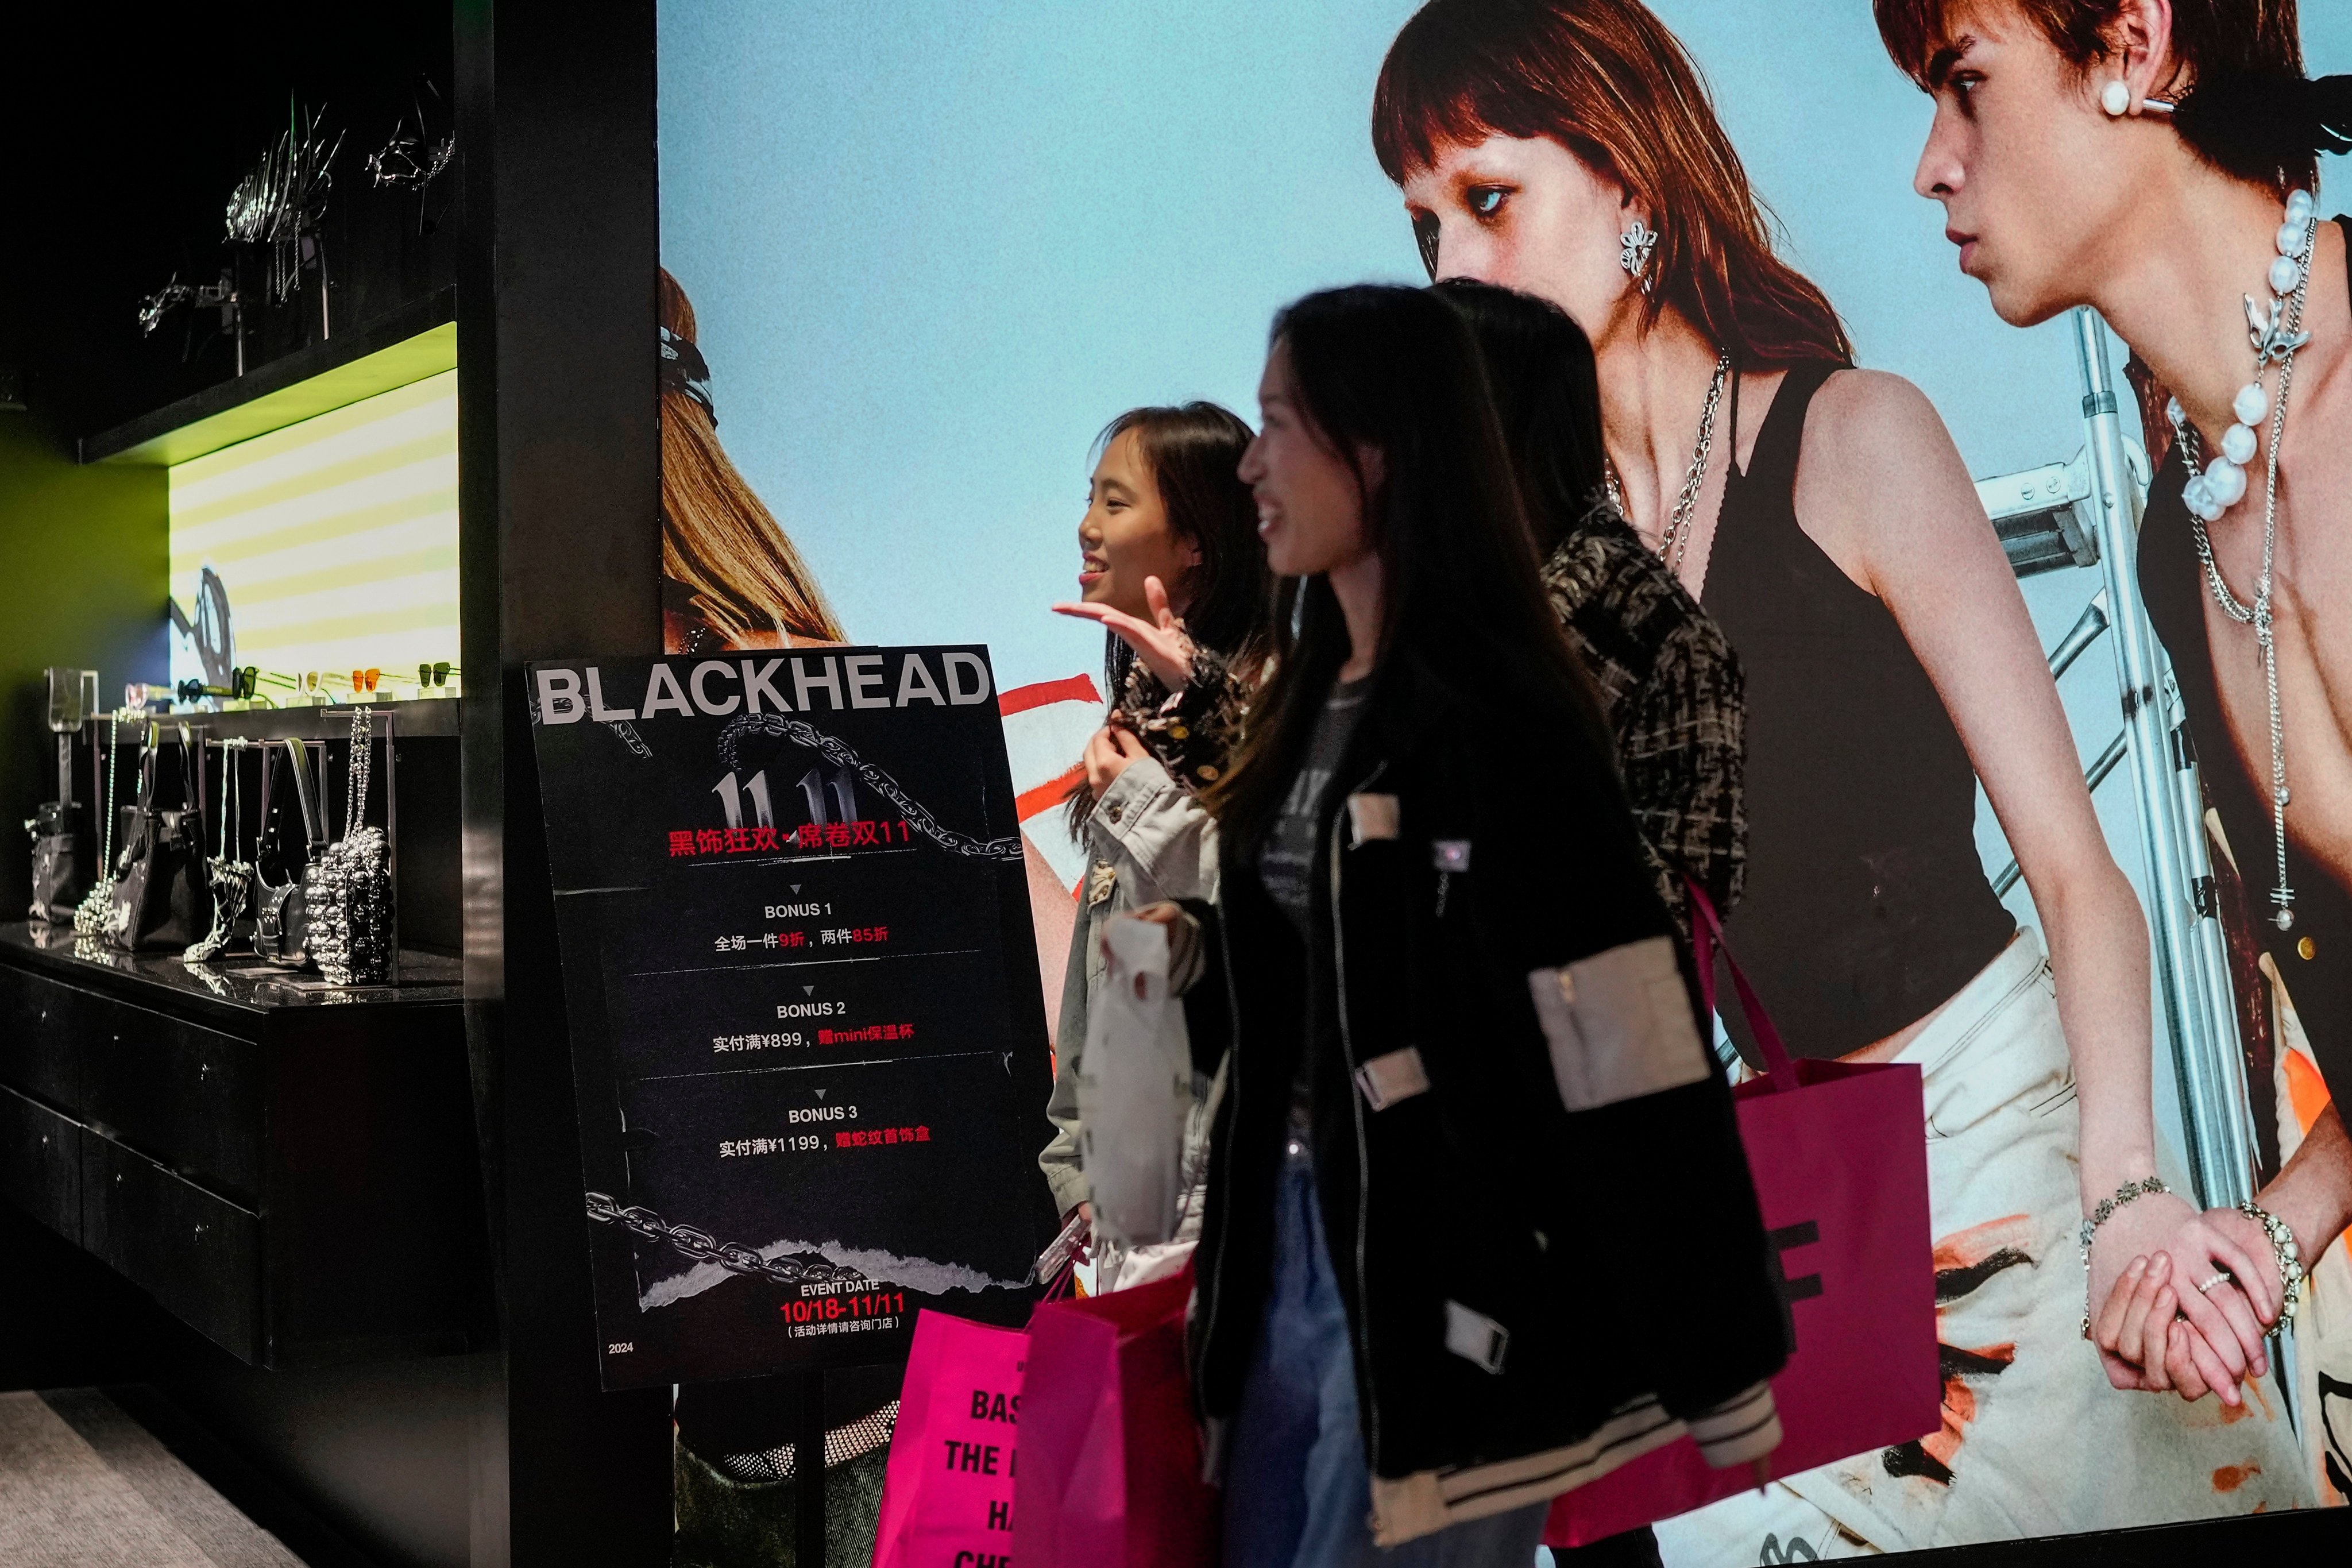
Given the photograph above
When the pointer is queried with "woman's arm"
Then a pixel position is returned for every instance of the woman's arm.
(1060, 1158)
(1884, 492)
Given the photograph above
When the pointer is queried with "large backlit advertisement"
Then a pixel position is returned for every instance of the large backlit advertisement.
(912, 271)
(326, 546)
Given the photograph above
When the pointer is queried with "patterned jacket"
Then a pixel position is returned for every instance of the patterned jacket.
(1672, 690)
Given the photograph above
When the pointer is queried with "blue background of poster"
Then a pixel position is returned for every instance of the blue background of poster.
(932, 258)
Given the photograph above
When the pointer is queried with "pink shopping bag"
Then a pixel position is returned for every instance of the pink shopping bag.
(1110, 1457)
(1839, 1156)
(947, 1491)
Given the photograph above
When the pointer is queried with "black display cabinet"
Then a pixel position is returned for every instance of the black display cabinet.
(284, 1166)
(330, 1244)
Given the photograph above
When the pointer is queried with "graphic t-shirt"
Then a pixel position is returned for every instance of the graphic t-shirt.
(1286, 863)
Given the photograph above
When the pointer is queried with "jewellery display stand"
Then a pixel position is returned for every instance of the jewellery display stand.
(420, 734)
(216, 1132)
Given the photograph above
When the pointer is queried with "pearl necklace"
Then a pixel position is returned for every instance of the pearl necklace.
(1677, 534)
(2275, 335)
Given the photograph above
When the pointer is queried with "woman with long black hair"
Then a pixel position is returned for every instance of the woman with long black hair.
(1670, 686)
(1170, 561)
(1463, 1073)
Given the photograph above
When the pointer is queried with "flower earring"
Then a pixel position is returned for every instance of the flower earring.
(1633, 253)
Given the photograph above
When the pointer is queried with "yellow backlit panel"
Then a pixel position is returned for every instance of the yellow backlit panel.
(334, 542)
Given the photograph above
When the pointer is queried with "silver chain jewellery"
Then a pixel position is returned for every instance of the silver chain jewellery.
(1677, 534)
(700, 1245)
(2276, 337)
(90, 915)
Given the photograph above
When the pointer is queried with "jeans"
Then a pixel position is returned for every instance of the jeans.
(1298, 1489)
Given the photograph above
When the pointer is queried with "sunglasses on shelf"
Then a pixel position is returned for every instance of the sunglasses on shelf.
(365, 679)
(429, 675)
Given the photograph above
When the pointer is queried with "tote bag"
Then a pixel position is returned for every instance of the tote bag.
(1110, 1457)
(947, 1488)
(164, 900)
(1839, 1156)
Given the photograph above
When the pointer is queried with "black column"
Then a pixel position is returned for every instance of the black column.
(560, 483)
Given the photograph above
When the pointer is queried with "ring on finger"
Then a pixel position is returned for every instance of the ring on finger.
(2221, 1277)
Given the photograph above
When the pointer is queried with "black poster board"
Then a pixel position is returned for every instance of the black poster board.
(808, 1037)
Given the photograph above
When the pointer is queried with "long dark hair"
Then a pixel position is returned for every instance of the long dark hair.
(1194, 456)
(1394, 370)
(1609, 82)
(1194, 453)
(1548, 397)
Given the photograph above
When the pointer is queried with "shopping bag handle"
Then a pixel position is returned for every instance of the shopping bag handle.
(1706, 937)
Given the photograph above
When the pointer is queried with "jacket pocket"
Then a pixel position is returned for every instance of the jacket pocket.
(1618, 1024)
(1386, 1079)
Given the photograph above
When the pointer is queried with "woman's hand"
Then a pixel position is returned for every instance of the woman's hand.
(1183, 941)
(1160, 642)
(2159, 1245)
(1108, 755)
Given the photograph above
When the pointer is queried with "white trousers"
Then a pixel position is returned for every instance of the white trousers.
(2035, 1441)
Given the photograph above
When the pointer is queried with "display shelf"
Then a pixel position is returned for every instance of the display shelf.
(426, 719)
(243, 984)
(409, 345)
(218, 1134)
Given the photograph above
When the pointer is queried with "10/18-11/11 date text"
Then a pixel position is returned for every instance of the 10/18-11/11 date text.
(882, 1303)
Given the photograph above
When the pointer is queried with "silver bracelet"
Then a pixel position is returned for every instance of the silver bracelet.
(2098, 1216)
(2283, 1248)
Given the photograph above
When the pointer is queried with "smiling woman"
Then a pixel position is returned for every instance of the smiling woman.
(1164, 502)
(1170, 563)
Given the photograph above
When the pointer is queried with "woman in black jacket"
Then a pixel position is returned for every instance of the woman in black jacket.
(1471, 1145)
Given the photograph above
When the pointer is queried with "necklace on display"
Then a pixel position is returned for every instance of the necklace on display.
(90, 917)
(2275, 334)
(1677, 534)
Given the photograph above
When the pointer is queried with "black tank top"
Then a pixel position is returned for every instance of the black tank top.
(2315, 957)
(1867, 904)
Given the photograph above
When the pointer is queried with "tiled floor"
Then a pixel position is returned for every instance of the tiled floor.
(84, 1486)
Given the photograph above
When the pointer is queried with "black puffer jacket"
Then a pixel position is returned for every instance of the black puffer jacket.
(1538, 1209)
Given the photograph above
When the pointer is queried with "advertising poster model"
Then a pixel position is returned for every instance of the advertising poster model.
(928, 265)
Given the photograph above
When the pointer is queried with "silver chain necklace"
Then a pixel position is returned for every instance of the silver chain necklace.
(1677, 534)
(2276, 336)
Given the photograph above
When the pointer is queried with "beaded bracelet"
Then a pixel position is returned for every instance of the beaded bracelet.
(2104, 1212)
(2283, 1247)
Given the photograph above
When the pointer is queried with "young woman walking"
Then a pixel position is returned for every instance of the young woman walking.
(1463, 1076)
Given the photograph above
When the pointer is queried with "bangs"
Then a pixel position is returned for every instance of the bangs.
(1437, 88)
(1915, 32)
